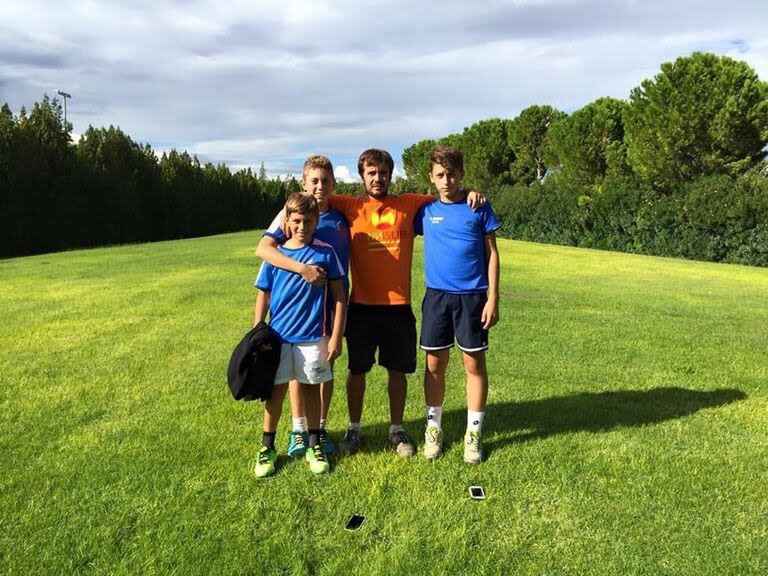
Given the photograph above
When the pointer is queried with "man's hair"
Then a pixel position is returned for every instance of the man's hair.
(375, 156)
(317, 161)
(302, 203)
(448, 157)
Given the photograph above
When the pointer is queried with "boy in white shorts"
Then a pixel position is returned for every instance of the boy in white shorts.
(297, 313)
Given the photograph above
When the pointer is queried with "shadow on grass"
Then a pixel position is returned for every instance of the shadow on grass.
(586, 411)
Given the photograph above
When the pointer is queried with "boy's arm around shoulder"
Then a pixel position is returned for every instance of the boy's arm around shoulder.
(490, 314)
(267, 251)
(335, 342)
(475, 199)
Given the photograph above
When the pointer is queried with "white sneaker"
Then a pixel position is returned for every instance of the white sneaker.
(473, 448)
(433, 443)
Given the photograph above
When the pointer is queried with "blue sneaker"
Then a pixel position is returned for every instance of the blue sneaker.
(297, 444)
(325, 442)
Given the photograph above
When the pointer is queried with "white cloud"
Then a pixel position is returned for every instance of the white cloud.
(243, 82)
(343, 174)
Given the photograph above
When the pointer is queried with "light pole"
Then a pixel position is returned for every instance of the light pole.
(64, 97)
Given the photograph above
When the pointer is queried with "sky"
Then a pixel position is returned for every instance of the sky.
(273, 81)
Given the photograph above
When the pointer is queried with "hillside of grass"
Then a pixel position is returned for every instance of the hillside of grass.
(626, 433)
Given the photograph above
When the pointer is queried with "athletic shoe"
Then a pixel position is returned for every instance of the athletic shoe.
(326, 443)
(317, 460)
(265, 465)
(433, 443)
(351, 441)
(297, 443)
(473, 448)
(402, 444)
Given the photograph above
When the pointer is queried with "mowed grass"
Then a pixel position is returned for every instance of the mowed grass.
(626, 433)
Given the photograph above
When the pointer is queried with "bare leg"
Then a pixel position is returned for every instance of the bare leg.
(477, 379)
(274, 407)
(398, 390)
(355, 395)
(326, 393)
(297, 400)
(434, 376)
(311, 393)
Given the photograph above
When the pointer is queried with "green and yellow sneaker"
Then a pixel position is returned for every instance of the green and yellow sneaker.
(265, 465)
(318, 463)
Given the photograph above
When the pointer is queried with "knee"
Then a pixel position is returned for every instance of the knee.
(474, 363)
(436, 365)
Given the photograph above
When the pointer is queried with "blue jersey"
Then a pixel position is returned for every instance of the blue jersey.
(296, 307)
(454, 245)
(332, 228)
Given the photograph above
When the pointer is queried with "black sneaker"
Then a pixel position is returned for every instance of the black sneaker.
(326, 443)
(351, 441)
(402, 444)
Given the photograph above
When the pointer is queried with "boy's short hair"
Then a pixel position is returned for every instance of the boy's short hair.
(375, 156)
(317, 161)
(301, 203)
(448, 157)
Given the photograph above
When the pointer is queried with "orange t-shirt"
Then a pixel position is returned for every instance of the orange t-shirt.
(381, 252)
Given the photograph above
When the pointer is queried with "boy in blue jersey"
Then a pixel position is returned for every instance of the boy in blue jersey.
(297, 312)
(461, 264)
(318, 181)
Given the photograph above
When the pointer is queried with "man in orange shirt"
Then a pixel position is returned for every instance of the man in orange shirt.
(380, 314)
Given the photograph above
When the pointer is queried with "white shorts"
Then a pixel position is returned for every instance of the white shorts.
(304, 362)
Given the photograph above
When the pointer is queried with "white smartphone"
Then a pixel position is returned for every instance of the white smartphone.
(477, 493)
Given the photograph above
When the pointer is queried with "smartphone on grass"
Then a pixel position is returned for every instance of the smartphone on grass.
(476, 493)
(355, 522)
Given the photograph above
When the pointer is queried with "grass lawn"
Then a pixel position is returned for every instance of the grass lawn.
(627, 431)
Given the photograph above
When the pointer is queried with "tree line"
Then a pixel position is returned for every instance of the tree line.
(677, 170)
(108, 189)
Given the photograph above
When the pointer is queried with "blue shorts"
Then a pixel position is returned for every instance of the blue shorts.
(446, 314)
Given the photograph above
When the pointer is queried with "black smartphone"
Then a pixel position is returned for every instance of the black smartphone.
(354, 523)
(477, 492)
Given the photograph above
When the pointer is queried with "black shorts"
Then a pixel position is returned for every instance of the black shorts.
(391, 329)
(445, 314)
(330, 313)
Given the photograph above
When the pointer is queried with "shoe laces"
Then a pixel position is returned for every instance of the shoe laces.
(352, 435)
(298, 438)
(319, 453)
(432, 434)
(264, 455)
(473, 439)
(323, 437)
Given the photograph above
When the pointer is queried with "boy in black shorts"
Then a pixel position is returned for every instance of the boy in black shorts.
(461, 264)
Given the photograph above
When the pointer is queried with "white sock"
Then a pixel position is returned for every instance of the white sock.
(354, 426)
(300, 423)
(322, 423)
(395, 428)
(434, 416)
(474, 421)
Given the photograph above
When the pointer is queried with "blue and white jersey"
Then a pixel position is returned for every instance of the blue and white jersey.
(454, 245)
(297, 308)
(332, 229)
